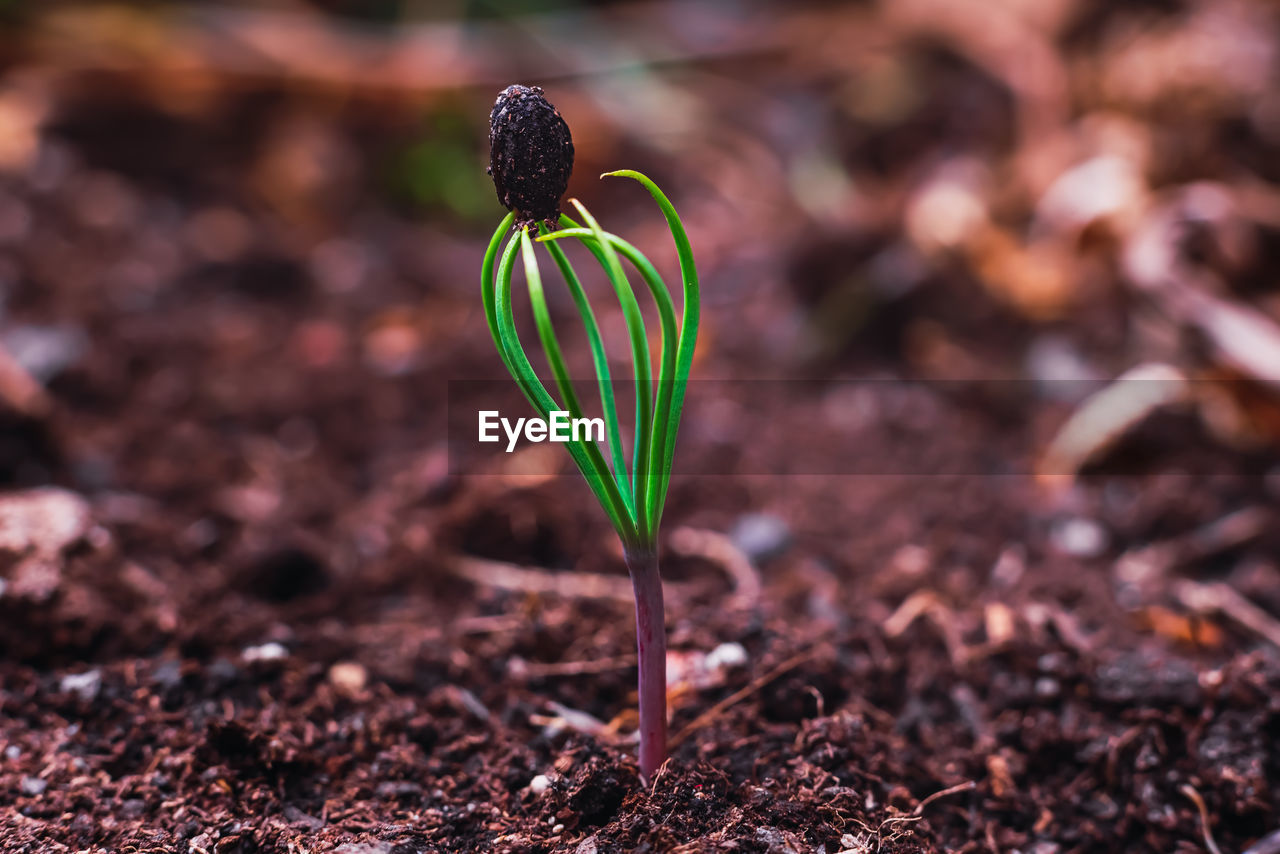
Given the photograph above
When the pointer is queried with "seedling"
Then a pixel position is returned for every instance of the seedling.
(531, 157)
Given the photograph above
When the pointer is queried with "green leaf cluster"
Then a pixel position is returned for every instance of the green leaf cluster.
(632, 499)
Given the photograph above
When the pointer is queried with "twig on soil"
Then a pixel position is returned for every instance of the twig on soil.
(1224, 599)
(927, 603)
(738, 696)
(911, 608)
(1065, 625)
(1153, 561)
(509, 576)
(1232, 530)
(820, 704)
(572, 719)
(389, 632)
(960, 787)
(533, 579)
(861, 843)
(719, 549)
(1244, 338)
(1194, 796)
(534, 670)
(1108, 415)
(896, 819)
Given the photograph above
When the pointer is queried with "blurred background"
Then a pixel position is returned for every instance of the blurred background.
(1033, 245)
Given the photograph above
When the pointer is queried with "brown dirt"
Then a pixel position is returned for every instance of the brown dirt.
(260, 642)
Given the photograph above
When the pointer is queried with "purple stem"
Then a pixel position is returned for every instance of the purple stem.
(651, 646)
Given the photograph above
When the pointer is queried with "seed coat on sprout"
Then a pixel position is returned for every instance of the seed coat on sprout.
(530, 155)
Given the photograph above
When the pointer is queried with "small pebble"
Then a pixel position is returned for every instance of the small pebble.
(1080, 537)
(539, 784)
(1047, 688)
(760, 536)
(348, 677)
(271, 651)
(398, 789)
(364, 848)
(44, 520)
(84, 685)
(777, 841)
(727, 655)
(33, 786)
(167, 674)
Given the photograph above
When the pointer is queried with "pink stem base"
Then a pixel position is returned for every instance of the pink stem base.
(651, 646)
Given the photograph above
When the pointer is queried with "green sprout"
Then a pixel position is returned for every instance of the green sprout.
(633, 500)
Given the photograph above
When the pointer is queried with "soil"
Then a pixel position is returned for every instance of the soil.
(237, 614)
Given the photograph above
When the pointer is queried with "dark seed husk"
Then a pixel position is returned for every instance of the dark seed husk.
(530, 154)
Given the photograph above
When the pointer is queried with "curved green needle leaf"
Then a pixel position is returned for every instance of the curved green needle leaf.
(555, 358)
(546, 330)
(634, 504)
(662, 423)
(487, 284)
(690, 314)
(643, 372)
(600, 361)
(585, 455)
